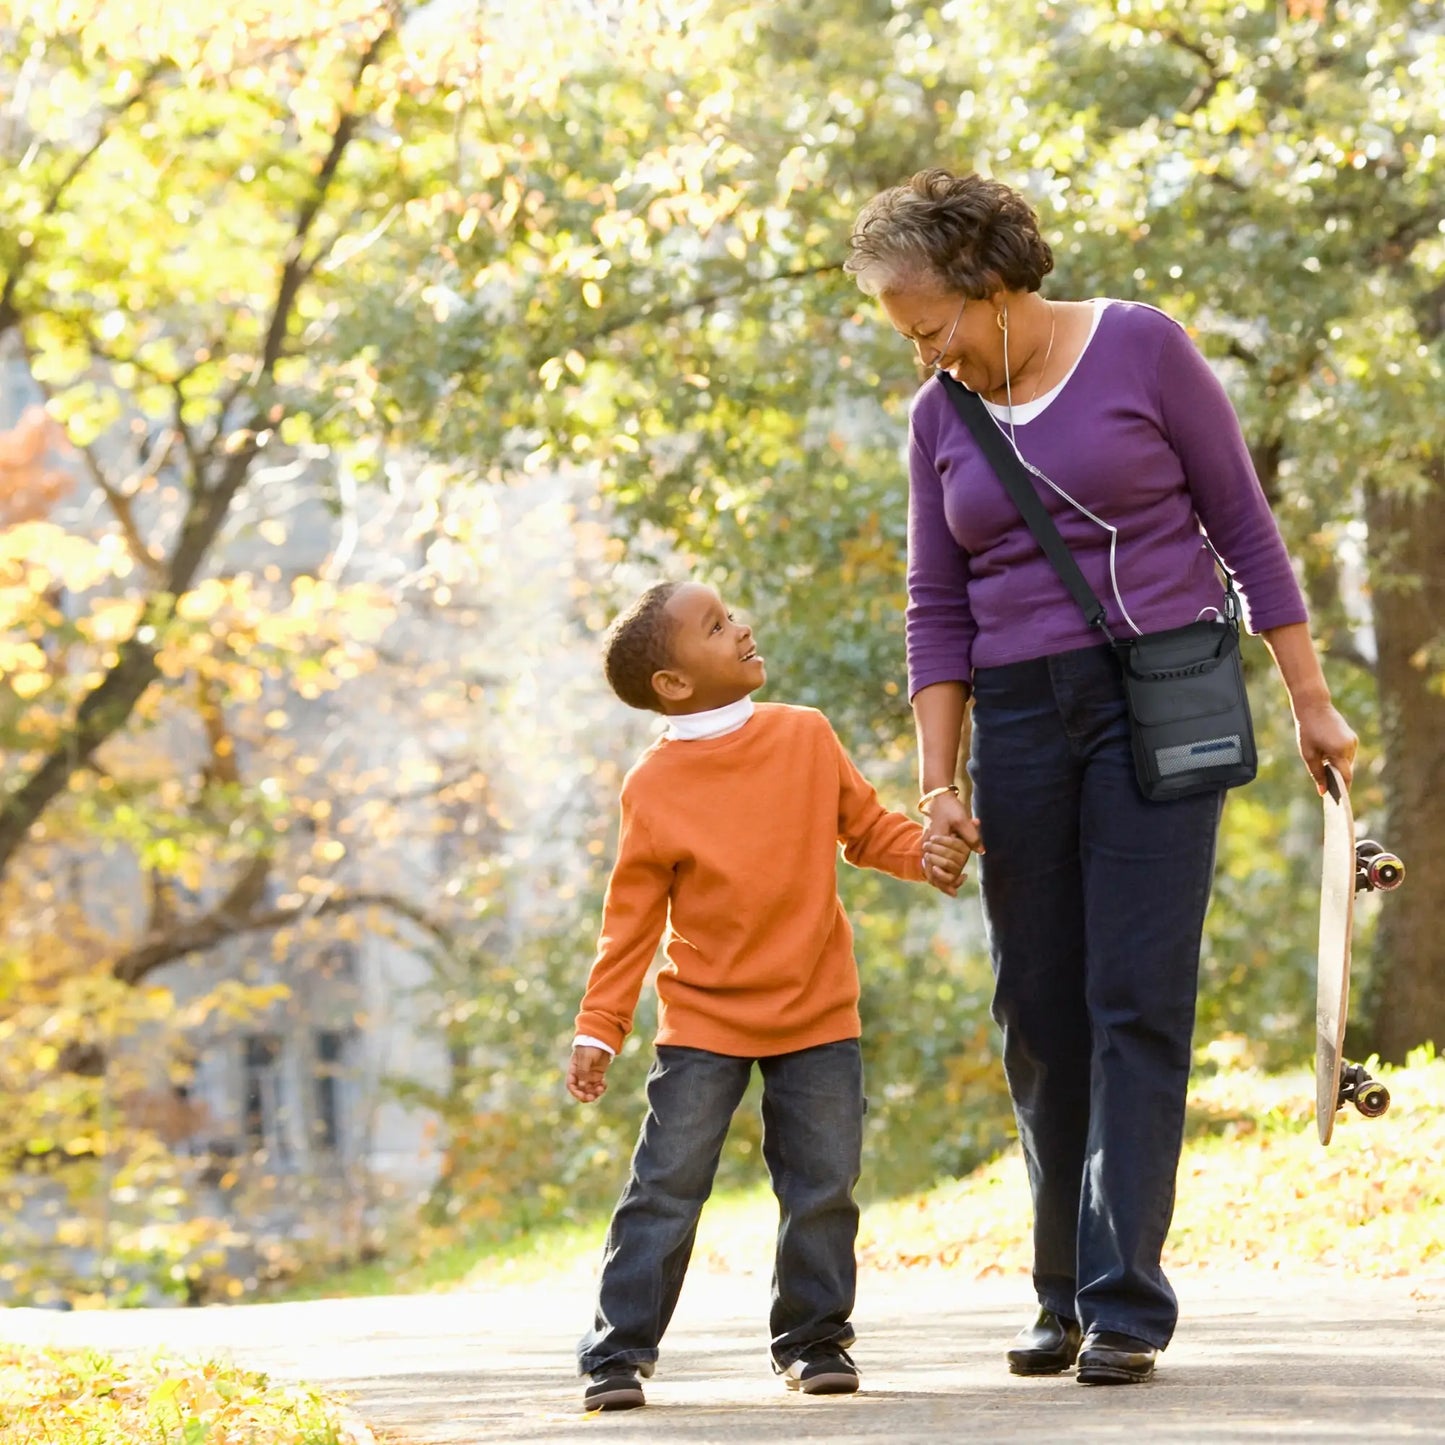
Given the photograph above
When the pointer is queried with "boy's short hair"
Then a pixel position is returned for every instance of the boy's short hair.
(639, 644)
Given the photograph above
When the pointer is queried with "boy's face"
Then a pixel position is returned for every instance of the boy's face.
(714, 658)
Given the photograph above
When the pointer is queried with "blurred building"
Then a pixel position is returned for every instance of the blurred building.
(303, 1119)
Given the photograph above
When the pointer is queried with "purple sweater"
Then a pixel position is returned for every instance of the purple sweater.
(1142, 434)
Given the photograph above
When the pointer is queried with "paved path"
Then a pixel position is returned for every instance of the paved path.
(1258, 1356)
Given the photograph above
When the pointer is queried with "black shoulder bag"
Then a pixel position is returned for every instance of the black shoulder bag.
(1188, 708)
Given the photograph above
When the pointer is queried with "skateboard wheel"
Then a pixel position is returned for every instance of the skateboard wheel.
(1386, 872)
(1375, 869)
(1368, 1095)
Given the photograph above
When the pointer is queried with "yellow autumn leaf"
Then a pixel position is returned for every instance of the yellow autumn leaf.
(111, 620)
(245, 686)
(27, 685)
(202, 601)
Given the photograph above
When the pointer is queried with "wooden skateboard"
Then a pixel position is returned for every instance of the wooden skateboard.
(1348, 868)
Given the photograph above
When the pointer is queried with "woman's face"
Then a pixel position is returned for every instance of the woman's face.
(954, 333)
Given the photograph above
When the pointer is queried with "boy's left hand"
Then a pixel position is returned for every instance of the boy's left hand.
(945, 859)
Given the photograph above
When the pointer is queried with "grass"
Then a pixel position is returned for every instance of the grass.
(52, 1397)
(522, 1258)
(552, 1252)
(1255, 1187)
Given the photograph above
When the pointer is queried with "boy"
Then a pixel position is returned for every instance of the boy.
(730, 830)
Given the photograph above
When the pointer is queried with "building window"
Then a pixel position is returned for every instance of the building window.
(261, 1086)
(333, 1048)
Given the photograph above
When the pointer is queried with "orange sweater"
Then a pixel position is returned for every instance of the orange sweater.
(733, 843)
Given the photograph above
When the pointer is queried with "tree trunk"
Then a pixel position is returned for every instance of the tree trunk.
(1406, 1002)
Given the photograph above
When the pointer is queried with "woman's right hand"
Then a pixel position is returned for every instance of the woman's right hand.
(947, 817)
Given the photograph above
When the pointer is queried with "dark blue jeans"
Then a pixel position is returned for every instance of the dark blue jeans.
(1094, 900)
(812, 1142)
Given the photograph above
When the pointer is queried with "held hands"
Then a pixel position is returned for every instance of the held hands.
(949, 836)
(1325, 737)
(944, 861)
(587, 1073)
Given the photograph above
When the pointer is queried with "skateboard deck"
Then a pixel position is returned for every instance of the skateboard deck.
(1337, 917)
(1347, 868)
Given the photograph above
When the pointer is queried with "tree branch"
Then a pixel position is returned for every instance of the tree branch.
(1348, 652)
(1395, 249)
(296, 267)
(119, 500)
(227, 921)
(118, 496)
(1203, 93)
(1429, 312)
(222, 766)
(167, 939)
(656, 311)
(1238, 351)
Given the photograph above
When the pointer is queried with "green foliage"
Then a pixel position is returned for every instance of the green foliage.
(85, 1398)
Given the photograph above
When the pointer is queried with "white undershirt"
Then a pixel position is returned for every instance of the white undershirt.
(715, 723)
(689, 727)
(1027, 411)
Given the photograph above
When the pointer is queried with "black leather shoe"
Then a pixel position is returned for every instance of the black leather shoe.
(1046, 1347)
(1108, 1358)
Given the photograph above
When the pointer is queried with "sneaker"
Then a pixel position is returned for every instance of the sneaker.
(614, 1387)
(824, 1371)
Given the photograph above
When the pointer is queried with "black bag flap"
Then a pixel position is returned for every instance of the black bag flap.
(1189, 651)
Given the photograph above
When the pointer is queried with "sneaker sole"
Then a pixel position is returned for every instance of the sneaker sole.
(625, 1397)
(839, 1384)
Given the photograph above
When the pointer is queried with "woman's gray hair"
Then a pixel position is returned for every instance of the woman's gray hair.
(961, 235)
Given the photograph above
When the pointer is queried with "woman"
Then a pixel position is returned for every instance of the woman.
(1093, 896)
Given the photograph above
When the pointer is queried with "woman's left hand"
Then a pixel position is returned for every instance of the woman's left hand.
(1325, 737)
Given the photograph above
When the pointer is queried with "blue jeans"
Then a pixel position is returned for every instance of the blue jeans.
(812, 1142)
(1094, 900)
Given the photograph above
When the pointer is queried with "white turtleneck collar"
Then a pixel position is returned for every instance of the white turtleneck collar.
(715, 723)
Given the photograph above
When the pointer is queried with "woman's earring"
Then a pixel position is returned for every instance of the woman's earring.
(1002, 319)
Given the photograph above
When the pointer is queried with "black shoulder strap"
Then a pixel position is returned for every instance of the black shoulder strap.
(1019, 485)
